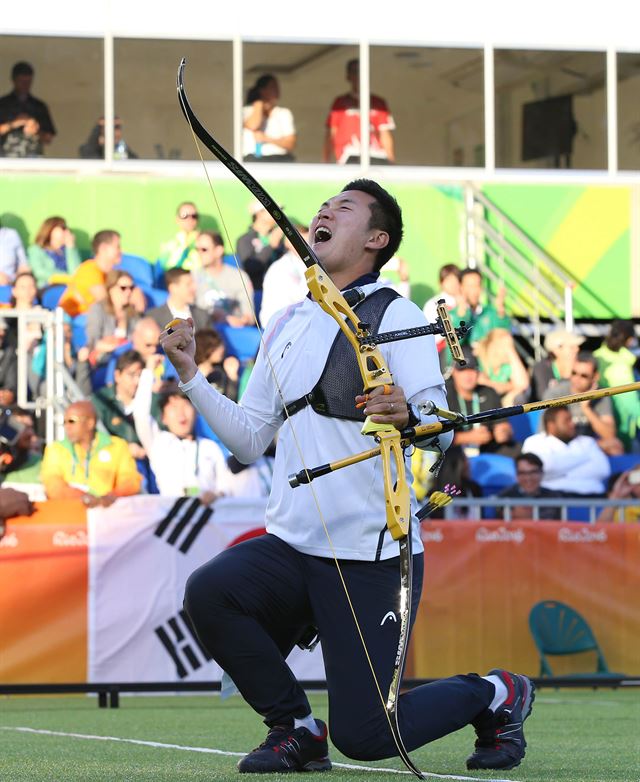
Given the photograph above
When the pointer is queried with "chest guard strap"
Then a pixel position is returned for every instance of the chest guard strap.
(334, 393)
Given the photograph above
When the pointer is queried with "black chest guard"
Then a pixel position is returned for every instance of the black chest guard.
(341, 381)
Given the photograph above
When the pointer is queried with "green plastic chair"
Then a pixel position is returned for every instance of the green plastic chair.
(558, 629)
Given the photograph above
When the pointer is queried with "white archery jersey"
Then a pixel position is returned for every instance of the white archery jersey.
(351, 500)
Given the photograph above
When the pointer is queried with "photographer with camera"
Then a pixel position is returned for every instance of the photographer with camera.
(626, 487)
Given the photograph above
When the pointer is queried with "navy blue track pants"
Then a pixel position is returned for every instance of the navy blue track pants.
(249, 606)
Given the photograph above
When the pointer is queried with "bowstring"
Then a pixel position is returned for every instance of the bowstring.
(297, 444)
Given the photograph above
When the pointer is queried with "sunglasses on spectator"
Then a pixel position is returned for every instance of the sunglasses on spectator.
(581, 374)
(126, 287)
(189, 216)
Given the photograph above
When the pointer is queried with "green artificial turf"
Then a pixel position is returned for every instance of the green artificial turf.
(573, 736)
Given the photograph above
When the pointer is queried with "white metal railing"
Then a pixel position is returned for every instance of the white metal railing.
(544, 288)
(59, 385)
(504, 506)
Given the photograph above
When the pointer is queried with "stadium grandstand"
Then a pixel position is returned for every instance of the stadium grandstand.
(510, 137)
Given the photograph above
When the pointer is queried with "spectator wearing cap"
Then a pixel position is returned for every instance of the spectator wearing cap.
(467, 396)
(562, 348)
(573, 464)
(25, 122)
(92, 466)
(594, 417)
(618, 365)
(261, 245)
(180, 251)
(222, 290)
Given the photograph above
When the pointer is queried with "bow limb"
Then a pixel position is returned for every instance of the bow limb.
(374, 373)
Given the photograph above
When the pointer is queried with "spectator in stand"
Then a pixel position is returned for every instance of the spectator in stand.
(395, 274)
(625, 487)
(110, 322)
(562, 348)
(269, 134)
(184, 465)
(342, 138)
(249, 480)
(261, 245)
(481, 317)
(75, 360)
(93, 148)
(617, 367)
(24, 460)
(53, 257)
(449, 278)
(25, 121)
(573, 464)
(222, 290)
(92, 466)
(13, 503)
(467, 396)
(24, 297)
(180, 252)
(8, 367)
(529, 470)
(501, 368)
(284, 282)
(593, 418)
(180, 301)
(87, 284)
(12, 255)
(220, 371)
(114, 402)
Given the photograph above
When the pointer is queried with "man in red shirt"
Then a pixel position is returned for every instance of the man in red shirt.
(342, 140)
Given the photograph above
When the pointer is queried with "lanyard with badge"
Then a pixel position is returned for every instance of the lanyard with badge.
(194, 491)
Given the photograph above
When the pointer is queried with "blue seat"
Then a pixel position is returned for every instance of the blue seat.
(50, 296)
(139, 268)
(525, 425)
(202, 429)
(492, 471)
(5, 294)
(626, 461)
(243, 342)
(79, 332)
(155, 297)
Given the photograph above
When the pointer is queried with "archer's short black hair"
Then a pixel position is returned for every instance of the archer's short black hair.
(386, 215)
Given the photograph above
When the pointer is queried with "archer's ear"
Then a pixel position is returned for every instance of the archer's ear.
(377, 240)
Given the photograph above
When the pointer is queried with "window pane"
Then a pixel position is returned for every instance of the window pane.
(145, 94)
(309, 76)
(436, 97)
(67, 78)
(550, 109)
(629, 111)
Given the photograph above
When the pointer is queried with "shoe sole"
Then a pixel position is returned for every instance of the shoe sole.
(527, 708)
(313, 765)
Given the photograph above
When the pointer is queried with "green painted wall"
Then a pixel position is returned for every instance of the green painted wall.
(143, 208)
(586, 229)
